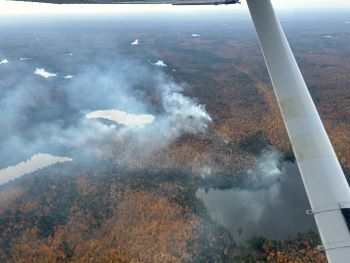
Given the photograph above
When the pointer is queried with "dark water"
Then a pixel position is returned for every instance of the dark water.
(274, 212)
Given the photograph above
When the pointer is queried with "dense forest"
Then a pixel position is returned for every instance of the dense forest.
(72, 216)
(146, 209)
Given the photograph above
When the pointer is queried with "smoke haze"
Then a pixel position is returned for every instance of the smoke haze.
(44, 108)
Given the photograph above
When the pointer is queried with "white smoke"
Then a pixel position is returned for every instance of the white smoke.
(41, 116)
(204, 171)
(267, 169)
(271, 210)
(180, 115)
(185, 115)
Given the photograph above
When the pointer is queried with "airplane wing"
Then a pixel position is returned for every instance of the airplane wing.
(171, 2)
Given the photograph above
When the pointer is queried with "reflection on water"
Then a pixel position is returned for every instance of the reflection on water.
(274, 212)
(36, 162)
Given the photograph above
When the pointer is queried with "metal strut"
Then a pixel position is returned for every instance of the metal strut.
(323, 178)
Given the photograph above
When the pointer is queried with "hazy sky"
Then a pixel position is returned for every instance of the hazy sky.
(8, 7)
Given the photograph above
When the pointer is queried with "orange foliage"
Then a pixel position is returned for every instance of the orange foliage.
(145, 227)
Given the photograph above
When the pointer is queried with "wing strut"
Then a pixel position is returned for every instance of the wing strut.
(323, 178)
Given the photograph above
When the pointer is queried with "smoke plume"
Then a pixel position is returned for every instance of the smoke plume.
(44, 114)
(274, 200)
